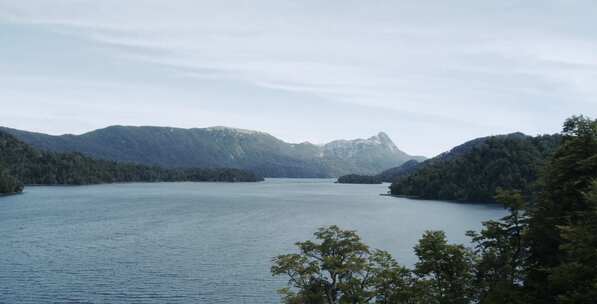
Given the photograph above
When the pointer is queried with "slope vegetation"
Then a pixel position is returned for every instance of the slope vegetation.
(22, 164)
(475, 170)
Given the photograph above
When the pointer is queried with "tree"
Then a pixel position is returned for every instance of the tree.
(447, 268)
(339, 268)
(394, 283)
(576, 275)
(9, 184)
(560, 213)
(499, 269)
(358, 179)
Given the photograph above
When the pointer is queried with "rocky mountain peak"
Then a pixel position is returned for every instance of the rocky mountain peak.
(384, 140)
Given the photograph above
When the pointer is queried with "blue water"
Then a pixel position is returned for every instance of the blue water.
(194, 242)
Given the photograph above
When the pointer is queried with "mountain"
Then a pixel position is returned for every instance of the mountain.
(225, 147)
(22, 164)
(475, 170)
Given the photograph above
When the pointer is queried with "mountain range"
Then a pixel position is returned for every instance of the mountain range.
(223, 147)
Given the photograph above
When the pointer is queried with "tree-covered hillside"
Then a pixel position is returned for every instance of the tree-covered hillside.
(31, 166)
(386, 176)
(358, 179)
(224, 147)
(475, 170)
(392, 174)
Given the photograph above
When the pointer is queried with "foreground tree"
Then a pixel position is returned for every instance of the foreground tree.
(447, 268)
(576, 274)
(499, 269)
(327, 271)
(338, 268)
(563, 210)
(394, 283)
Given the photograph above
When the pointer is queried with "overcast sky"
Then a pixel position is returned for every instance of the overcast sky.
(431, 74)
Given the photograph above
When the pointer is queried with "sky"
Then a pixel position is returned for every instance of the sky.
(431, 74)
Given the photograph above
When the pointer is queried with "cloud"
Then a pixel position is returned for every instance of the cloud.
(465, 67)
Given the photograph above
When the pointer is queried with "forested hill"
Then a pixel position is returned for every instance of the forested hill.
(22, 164)
(255, 151)
(475, 170)
(386, 176)
(358, 179)
(392, 174)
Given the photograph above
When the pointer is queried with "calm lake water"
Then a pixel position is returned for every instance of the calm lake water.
(194, 242)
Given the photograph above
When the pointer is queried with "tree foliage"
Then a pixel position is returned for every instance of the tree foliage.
(338, 268)
(8, 183)
(334, 269)
(447, 269)
(563, 218)
(501, 253)
(358, 179)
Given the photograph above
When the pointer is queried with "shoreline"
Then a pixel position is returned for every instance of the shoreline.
(124, 183)
(138, 182)
(10, 193)
(401, 196)
(439, 200)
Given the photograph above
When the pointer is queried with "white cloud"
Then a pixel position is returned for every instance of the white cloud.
(492, 66)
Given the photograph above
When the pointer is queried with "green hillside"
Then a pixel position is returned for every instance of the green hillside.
(475, 170)
(23, 164)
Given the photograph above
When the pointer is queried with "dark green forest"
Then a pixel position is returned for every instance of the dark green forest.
(544, 251)
(359, 179)
(9, 184)
(21, 164)
(387, 176)
(392, 174)
(474, 171)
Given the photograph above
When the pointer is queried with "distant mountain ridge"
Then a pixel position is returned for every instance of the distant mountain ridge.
(217, 147)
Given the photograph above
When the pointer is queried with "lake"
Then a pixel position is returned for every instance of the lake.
(195, 242)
